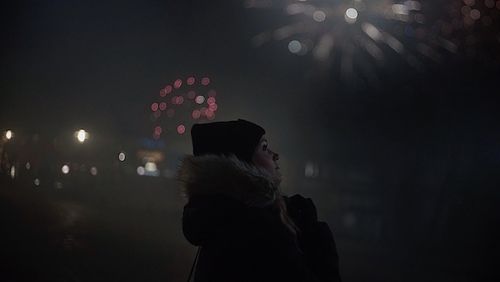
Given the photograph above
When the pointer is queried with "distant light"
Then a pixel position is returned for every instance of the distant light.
(168, 89)
(58, 185)
(154, 107)
(470, 2)
(210, 114)
(489, 3)
(191, 94)
(319, 16)
(158, 130)
(351, 15)
(213, 107)
(179, 100)
(36, 182)
(203, 111)
(82, 135)
(150, 167)
(163, 106)
(28, 166)
(211, 100)
(181, 129)
(199, 99)
(13, 172)
(140, 170)
(475, 14)
(65, 169)
(205, 81)
(177, 83)
(294, 46)
(196, 114)
(121, 156)
(9, 134)
(163, 93)
(93, 171)
(311, 170)
(190, 81)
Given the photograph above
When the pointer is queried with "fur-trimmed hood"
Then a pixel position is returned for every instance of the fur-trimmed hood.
(228, 176)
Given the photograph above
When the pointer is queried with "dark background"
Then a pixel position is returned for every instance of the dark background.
(402, 162)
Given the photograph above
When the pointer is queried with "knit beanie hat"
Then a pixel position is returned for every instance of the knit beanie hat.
(238, 137)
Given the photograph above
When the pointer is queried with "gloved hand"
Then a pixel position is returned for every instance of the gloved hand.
(302, 211)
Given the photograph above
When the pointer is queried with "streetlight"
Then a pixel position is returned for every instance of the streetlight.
(81, 135)
(9, 134)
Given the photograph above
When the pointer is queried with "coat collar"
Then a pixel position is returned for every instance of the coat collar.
(229, 176)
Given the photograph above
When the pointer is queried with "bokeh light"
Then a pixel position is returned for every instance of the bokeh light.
(36, 182)
(65, 169)
(200, 99)
(351, 15)
(177, 83)
(154, 107)
(82, 135)
(181, 129)
(205, 81)
(190, 80)
(93, 171)
(163, 106)
(9, 134)
(196, 114)
(121, 156)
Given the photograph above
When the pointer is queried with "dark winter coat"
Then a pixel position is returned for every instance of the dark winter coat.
(232, 214)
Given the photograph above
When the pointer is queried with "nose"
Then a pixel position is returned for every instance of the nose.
(276, 156)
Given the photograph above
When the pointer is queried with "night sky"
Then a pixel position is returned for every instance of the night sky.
(419, 129)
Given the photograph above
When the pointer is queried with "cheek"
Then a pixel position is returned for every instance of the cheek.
(263, 160)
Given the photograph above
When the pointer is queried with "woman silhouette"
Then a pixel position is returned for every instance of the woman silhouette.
(245, 228)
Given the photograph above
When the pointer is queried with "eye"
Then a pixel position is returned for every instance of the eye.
(264, 146)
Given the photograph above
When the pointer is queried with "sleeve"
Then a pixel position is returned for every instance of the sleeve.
(315, 239)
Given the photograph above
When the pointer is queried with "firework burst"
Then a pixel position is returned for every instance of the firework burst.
(181, 103)
(363, 35)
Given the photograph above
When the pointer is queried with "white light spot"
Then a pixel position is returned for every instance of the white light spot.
(150, 167)
(81, 135)
(199, 99)
(121, 156)
(351, 15)
(8, 134)
(28, 166)
(319, 16)
(13, 172)
(140, 170)
(36, 182)
(65, 169)
(93, 171)
(294, 46)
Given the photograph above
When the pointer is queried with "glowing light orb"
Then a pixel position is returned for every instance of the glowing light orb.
(319, 16)
(140, 170)
(65, 169)
(82, 135)
(200, 99)
(190, 80)
(196, 114)
(36, 182)
(154, 107)
(93, 171)
(9, 134)
(205, 81)
(177, 83)
(121, 156)
(294, 46)
(181, 129)
(351, 15)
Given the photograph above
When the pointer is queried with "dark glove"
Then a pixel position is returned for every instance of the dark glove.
(302, 211)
